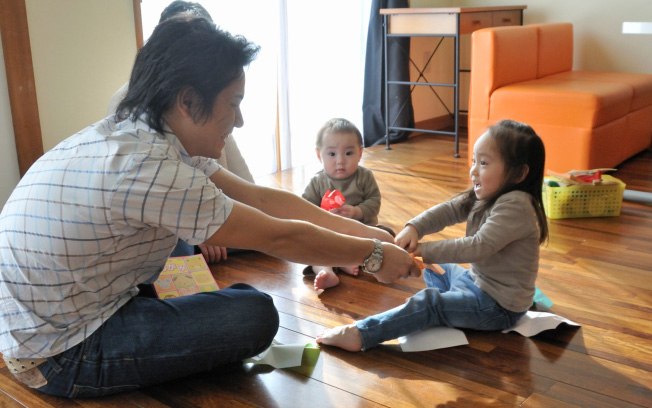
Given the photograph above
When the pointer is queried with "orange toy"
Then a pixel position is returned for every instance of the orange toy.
(422, 265)
(332, 199)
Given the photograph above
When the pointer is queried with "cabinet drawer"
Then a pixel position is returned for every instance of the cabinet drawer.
(470, 22)
(506, 18)
(432, 23)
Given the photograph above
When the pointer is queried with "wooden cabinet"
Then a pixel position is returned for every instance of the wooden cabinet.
(470, 22)
(441, 22)
(507, 18)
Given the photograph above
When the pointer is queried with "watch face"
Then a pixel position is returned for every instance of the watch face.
(374, 263)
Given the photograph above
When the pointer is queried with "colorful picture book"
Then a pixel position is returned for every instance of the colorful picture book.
(184, 275)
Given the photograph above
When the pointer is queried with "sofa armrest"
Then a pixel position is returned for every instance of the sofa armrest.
(555, 48)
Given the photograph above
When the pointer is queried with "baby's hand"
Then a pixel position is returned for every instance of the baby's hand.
(213, 254)
(407, 239)
(348, 211)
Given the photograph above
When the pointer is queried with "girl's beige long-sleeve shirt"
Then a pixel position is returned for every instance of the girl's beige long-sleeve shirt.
(501, 245)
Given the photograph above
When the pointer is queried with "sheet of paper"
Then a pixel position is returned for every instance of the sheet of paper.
(534, 323)
(286, 355)
(432, 339)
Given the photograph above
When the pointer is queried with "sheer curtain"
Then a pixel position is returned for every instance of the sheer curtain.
(310, 68)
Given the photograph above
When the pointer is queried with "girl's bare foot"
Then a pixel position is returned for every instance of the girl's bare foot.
(326, 278)
(345, 337)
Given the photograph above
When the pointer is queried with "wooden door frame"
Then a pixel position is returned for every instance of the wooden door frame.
(20, 82)
(20, 78)
(138, 23)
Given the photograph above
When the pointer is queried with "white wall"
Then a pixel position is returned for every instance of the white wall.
(82, 51)
(9, 174)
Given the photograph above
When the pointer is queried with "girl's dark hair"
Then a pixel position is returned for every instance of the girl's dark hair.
(183, 52)
(520, 148)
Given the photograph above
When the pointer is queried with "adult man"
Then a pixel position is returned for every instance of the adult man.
(100, 213)
(231, 157)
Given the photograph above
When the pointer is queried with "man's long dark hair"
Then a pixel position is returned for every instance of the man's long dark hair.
(520, 148)
(180, 7)
(183, 52)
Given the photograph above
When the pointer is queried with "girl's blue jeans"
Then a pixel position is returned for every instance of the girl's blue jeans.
(451, 299)
(149, 341)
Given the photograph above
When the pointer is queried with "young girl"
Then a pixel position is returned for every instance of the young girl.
(506, 223)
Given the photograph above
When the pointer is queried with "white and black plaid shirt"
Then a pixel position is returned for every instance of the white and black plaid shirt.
(90, 220)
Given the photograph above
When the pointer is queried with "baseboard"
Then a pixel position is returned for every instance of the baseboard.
(442, 122)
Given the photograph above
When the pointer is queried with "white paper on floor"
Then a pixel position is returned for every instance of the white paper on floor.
(534, 323)
(434, 338)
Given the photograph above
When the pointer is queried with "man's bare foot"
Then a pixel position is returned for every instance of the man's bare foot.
(351, 270)
(345, 337)
(326, 278)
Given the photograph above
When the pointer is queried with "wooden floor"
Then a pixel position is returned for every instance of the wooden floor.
(598, 272)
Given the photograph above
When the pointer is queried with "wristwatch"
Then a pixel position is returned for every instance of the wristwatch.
(374, 261)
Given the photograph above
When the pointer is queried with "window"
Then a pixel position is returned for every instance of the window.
(310, 68)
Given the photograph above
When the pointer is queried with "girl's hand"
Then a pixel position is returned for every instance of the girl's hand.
(408, 238)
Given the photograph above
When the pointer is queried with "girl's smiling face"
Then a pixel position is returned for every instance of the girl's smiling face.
(488, 169)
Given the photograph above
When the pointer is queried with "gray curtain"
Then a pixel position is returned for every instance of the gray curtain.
(401, 113)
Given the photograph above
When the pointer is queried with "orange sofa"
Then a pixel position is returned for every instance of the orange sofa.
(586, 119)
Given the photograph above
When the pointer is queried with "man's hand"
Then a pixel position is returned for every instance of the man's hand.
(397, 263)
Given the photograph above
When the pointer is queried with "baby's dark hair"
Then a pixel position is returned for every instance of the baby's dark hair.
(522, 150)
(337, 125)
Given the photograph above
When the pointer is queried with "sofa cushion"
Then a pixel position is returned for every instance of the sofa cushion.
(502, 55)
(585, 104)
(555, 48)
(641, 83)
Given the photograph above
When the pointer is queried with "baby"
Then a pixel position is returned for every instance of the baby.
(339, 148)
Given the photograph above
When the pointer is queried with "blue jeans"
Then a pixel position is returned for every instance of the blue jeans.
(149, 341)
(451, 299)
